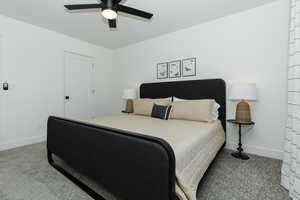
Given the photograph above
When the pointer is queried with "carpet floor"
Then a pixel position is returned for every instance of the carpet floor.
(26, 175)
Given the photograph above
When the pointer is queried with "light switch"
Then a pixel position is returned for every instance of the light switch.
(5, 86)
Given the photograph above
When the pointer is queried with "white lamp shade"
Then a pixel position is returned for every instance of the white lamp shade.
(242, 91)
(129, 93)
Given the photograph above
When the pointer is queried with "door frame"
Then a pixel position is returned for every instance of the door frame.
(2, 96)
(65, 52)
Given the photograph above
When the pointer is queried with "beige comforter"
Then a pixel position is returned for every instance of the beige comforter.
(195, 144)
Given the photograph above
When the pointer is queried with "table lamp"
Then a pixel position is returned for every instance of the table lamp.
(129, 95)
(243, 92)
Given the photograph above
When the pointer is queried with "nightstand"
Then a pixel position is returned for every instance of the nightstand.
(240, 154)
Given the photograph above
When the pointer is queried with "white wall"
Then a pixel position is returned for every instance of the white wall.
(250, 46)
(32, 61)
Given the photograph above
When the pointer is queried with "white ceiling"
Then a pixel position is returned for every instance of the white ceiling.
(169, 16)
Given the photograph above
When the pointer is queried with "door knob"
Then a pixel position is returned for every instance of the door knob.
(67, 97)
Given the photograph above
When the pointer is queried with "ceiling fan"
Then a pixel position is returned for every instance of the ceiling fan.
(110, 9)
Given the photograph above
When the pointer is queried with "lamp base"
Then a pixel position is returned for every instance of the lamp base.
(243, 114)
(129, 106)
(241, 156)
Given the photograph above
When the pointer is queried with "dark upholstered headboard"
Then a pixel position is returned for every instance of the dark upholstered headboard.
(195, 89)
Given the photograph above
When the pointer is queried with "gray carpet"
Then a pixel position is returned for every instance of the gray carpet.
(26, 175)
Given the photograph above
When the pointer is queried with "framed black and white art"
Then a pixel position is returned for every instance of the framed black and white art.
(189, 67)
(162, 70)
(175, 69)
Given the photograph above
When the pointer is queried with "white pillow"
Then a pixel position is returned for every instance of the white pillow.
(215, 109)
(168, 98)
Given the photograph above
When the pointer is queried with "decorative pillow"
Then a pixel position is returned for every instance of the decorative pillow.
(168, 98)
(144, 106)
(161, 112)
(175, 99)
(215, 109)
(194, 110)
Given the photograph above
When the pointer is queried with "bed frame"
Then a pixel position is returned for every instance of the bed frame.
(130, 165)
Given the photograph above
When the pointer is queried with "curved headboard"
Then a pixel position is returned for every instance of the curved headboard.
(194, 89)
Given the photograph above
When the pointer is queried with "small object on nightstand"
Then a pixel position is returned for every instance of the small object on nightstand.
(240, 154)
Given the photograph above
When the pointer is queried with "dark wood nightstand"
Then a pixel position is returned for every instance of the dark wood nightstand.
(240, 154)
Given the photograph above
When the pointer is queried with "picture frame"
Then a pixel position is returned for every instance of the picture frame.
(174, 68)
(162, 70)
(189, 66)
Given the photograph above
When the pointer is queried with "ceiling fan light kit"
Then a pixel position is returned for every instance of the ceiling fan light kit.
(110, 9)
(109, 14)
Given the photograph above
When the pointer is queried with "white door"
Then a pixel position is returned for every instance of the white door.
(79, 92)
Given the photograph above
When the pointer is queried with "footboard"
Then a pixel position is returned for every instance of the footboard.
(130, 165)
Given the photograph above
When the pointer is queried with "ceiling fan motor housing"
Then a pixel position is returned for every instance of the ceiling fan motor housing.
(109, 4)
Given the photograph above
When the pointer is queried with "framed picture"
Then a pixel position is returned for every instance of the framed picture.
(175, 69)
(189, 67)
(162, 70)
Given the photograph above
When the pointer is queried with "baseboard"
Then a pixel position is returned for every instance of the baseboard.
(260, 151)
(23, 142)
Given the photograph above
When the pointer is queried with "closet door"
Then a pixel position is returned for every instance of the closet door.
(79, 92)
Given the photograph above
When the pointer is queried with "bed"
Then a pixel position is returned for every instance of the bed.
(138, 157)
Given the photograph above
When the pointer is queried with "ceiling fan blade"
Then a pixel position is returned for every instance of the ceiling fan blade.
(112, 23)
(133, 11)
(83, 6)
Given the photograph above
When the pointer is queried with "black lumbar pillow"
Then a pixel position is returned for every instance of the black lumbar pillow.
(161, 112)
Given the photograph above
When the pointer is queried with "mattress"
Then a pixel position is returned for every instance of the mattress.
(195, 144)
